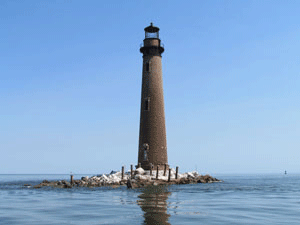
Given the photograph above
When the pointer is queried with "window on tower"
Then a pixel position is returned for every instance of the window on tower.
(145, 151)
(147, 66)
(147, 104)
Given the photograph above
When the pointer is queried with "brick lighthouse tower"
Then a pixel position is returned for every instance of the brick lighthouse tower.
(152, 140)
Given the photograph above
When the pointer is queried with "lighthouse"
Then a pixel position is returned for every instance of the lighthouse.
(152, 139)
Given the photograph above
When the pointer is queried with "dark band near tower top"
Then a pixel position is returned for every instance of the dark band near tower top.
(152, 44)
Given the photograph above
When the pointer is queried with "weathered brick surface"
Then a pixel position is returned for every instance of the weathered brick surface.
(152, 121)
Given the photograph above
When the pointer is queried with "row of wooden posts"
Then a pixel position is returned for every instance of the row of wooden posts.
(139, 166)
(151, 167)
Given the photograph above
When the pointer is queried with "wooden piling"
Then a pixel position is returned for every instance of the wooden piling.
(72, 180)
(169, 178)
(176, 175)
(122, 172)
(157, 172)
(150, 169)
(165, 169)
(131, 170)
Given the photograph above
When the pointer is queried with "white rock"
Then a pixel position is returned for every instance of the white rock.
(190, 175)
(173, 171)
(103, 177)
(142, 177)
(115, 180)
(139, 171)
(180, 176)
(118, 174)
(161, 177)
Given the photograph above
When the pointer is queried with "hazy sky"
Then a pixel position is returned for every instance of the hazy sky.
(70, 84)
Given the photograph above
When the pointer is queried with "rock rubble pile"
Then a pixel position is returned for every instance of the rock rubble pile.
(140, 178)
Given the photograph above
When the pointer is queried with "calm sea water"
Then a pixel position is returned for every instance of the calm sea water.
(243, 199)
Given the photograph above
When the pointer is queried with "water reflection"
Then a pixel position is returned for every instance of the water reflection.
(153, 201)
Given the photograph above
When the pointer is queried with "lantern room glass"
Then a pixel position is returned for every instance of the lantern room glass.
(151, 34)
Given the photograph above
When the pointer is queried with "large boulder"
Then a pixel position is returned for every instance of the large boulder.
(118, 174)
(143, 177)
(85, 178)
(139, 171)
(190, 175)
(104, 178)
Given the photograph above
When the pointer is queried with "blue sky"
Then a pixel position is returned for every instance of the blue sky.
(70, 84)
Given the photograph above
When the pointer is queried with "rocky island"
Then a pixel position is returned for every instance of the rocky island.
(132, 179)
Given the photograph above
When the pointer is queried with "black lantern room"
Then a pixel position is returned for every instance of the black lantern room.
(151, 31)
(152, 44)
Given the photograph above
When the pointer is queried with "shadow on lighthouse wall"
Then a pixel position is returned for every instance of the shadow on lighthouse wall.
(153, 202)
